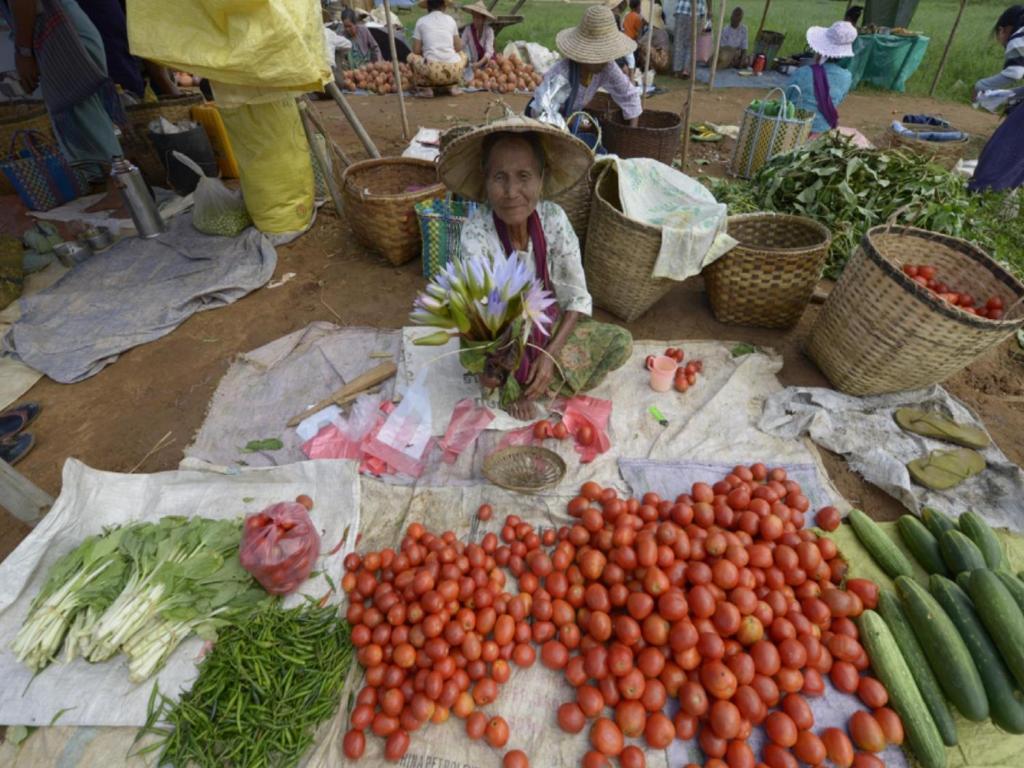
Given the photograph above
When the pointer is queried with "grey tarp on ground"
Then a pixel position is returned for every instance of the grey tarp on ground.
(864, 431)
(136, 292)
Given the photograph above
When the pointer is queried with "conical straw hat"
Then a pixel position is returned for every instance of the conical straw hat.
(595, 40)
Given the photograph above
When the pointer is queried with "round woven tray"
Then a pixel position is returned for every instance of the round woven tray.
(768, 279)
(620, 255)
(380, 199)
(944, 153)
(879, 331)
(656, 135)
(524, 468)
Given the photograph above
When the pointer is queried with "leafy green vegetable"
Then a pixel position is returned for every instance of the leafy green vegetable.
(270, 444)
(850, 190)
(742, 349)
(260, 693)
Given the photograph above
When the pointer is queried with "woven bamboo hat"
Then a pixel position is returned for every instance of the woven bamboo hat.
(480, 9)
(595, 40)
(566, 158)
(423, 4)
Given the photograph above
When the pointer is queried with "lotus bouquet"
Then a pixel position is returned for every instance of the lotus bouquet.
(491, 305)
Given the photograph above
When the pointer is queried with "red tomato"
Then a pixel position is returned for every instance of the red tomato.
(606, 737)
(892, 725)
(872, 692)
(354, 744)
(632, 757)
(560, 432)
(867, 734)
(828, 518)
(781, 729)
(837, 747)
(585, 435)
(515, 758)
(396, 746)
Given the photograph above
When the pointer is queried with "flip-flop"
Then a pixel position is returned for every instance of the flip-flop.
(14, 450)
(942, 470)
(934, 425)
(16, 419)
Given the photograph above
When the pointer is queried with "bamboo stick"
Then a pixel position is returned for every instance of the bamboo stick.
(718, 45)
(945, 51)
(694, 22)
(353, 120)
(397, 71)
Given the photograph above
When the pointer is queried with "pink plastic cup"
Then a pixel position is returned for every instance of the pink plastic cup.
(662, 369)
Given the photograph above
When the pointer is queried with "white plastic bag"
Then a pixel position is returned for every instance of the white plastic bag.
(216, 210)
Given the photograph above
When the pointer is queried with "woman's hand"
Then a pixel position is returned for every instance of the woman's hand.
(540, 377)
(28, 72)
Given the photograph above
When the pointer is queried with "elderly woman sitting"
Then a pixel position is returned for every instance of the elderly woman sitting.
(509, 165)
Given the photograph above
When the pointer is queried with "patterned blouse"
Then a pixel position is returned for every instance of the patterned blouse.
(565, 264)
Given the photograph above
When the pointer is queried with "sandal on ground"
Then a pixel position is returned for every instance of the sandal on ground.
(942, 470)
(938, 427)
(14, 420)
(12, 451)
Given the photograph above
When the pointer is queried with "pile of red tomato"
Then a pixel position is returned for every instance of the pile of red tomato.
(719, 599)
(686, 375)
(927, 275)
(545, 430)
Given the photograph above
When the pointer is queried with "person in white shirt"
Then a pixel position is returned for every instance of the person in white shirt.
(732, 52)
(437, 59)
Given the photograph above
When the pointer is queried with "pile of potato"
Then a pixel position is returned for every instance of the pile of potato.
(377, 77)
(506, 74)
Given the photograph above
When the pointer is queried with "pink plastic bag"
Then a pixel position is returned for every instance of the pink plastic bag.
(467, 422)
(279, 547)
(583, 410)
(404, 440)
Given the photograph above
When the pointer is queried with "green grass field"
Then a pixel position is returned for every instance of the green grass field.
(975, 53)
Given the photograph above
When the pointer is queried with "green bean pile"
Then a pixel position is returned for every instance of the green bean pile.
(260, 693)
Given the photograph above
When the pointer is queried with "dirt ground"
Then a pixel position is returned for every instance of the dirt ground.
(113, 420)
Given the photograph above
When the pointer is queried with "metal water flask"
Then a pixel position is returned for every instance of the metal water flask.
(138, 198)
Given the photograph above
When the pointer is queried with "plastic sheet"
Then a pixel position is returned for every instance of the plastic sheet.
(468, 420)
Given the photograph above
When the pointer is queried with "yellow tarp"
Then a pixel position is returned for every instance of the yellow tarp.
(274, 44)
(982, 745)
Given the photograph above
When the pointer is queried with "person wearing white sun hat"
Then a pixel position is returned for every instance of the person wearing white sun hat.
(589, 52)
(821, 86)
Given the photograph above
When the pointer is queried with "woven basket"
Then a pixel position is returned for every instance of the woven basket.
(656, 135)
(21, 116)
(576, 202)
(942, 153)
(762, 137)
(620, 255)
(380, 199)
(880, 331)
(524, 468)
(135, 137)
(767, 279)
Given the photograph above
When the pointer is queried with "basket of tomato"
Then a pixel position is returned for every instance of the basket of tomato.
(911, 309)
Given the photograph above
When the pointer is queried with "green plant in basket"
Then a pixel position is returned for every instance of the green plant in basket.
(492, 306)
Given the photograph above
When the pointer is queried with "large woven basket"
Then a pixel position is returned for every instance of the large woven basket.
(135, 137)
(656, 135)
(769, 277)
(576, 202)
(620, 255)
(879, 331)
(380, 199)
(21, 116)
(943, 153)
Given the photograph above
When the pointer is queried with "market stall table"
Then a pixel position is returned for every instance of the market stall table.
(887, 61)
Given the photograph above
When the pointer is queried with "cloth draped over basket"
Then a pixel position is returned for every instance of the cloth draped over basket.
(692, 222)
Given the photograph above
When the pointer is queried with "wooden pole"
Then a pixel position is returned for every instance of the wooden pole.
(764, 18)
(718, 44)
(945, 51)
(396, 69)
(320, 155)
(688, 114)
(647, 60)
(339, 98)
(314, 117)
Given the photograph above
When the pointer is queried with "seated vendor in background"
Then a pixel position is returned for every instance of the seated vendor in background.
(1009, 33)
(589, 50)
(510, 165)
(437, 58)
(732, 51)
(364, 48)
(478, 35)
(821, 86)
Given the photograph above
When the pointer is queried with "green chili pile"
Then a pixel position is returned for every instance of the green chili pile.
(850, 190)
(260, 694)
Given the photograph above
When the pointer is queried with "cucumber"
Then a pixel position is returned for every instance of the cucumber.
(1001, 616)
(1005, 705)
(922, 545)
(981, 533)
(960, 553)
(882, 549)
(890, 609)
(1014, 585)
(945, 649)
(962, 579)
(891, 667)
(937, 522)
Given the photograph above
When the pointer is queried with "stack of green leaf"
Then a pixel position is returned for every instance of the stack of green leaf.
(850, 190)
(141, 589)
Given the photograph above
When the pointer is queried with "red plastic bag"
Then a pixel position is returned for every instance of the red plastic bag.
(279, 546)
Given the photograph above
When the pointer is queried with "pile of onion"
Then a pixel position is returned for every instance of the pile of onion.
(377, 77)
(506, 74)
